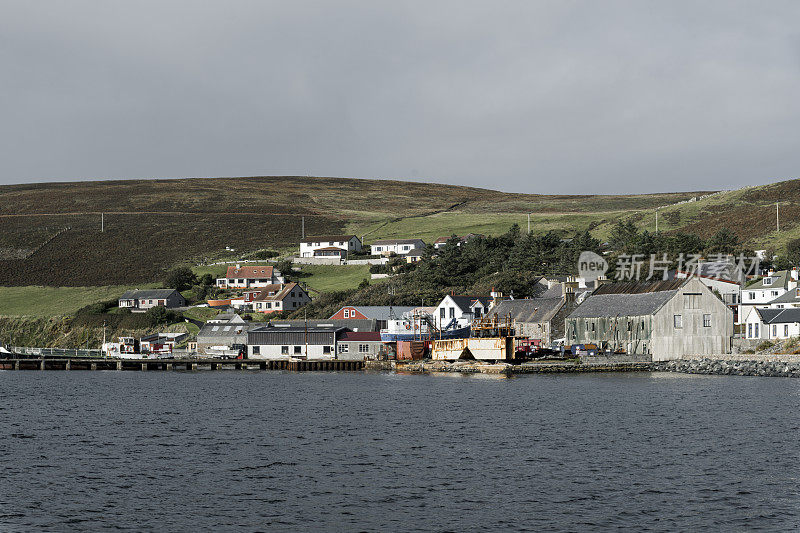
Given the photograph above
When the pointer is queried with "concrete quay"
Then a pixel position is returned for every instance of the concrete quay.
(70, 363)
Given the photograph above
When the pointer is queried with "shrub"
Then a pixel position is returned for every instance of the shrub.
(766, 345)
(161, 315)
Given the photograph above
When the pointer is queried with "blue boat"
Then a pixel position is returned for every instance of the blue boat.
(421, 328)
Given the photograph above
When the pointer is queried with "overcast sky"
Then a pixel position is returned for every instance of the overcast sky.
(528, 96)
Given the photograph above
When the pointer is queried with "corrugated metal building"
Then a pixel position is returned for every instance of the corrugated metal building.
(663, 320)
(270, 342)
(536, 318)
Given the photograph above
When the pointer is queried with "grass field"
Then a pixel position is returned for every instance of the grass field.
(325, 278)
(50, 233)
(54, 301)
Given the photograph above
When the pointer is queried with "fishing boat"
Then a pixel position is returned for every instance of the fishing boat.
(417, 325)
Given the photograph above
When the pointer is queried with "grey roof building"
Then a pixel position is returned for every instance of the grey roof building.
(147, 298)
(270, 342)
(219, 336)
(536, 318)
(779, 316)
(660, 320)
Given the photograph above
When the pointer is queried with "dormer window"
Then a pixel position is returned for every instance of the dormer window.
(767, 281)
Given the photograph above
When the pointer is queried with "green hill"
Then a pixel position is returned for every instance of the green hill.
(50, 233)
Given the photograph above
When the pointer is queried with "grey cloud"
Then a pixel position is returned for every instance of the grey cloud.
(551, 97)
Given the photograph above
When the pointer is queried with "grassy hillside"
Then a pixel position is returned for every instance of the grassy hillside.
(53, 301)
(50, 233)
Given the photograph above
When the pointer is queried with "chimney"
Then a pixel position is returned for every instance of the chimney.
(569, 295)
(794, 273)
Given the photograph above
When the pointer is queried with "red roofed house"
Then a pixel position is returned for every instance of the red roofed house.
(244, 277)
(357, 345)
(280, 297)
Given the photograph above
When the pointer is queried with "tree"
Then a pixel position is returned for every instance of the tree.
(790, 258)
(284, 266)
(180, 278)
(624, 236)
(724, 241)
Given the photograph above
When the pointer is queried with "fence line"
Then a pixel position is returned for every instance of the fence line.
(68, 352)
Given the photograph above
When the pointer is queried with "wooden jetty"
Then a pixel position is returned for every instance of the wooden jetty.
(95, 363)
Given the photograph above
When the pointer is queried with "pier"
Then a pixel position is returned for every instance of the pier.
(190, 364)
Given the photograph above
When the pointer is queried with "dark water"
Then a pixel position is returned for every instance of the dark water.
(322, 451)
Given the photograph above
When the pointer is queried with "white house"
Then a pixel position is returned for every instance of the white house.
(459, 311)
(787, 300)
(330, 246)
(766, 290)
(442, 241)
(277, 342)
(276, 298)
(772, 324)
(396, 246)
(145, 299)
(245, 277)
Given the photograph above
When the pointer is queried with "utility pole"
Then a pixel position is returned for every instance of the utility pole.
(305, 318)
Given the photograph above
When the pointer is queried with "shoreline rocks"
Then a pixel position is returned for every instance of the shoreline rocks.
(735, 366)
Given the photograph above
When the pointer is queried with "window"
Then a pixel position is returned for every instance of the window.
(298, 349)
(477, 312)
(592, 327)
(677, 321)
(256, 350)
(752, 295)
(786, 330)
(755, 330)
(452, 312)
(347, 313)
(406, 247)
(326, 350)
(442, 312)
(691, 301)
(768, 281)
(774, 330)
(629, 325)
(774, 293)
(706, 321)
(284, 350)
(363, 348)
(344, 348)
(750, 331)
(268, 305)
